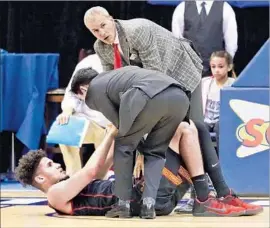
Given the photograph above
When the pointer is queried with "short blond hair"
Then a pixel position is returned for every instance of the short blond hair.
(92, 12)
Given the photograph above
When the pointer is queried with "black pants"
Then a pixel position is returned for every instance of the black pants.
(196, 110)
(167, 195)
(160, 119)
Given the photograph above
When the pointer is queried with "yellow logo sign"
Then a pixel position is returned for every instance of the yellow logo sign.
(254, 133)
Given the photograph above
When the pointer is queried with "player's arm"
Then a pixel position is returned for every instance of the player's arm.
(107, 164)
(64, 191)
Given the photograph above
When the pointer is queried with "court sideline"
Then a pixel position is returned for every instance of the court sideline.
(28, 208)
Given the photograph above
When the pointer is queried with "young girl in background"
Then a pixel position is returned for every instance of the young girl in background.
(223, 75)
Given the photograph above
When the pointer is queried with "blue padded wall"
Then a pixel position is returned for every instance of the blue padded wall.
(244, 145)
(244, 128)
(256, 73)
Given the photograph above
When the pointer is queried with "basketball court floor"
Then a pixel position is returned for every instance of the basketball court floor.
(28, 208)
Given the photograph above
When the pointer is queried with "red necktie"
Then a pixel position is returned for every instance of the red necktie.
(117, 57)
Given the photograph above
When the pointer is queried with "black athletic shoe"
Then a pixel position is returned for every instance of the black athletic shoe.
(148, 212)
(119, 212)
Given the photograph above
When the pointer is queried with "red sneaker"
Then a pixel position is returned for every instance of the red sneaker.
(233, 200)
(212, 207)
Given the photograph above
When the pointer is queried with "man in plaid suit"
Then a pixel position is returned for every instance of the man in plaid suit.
(138, 102)
(142, 42)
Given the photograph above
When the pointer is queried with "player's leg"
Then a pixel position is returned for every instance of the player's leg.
(72, 158)
(183, 206)
(213, 168)
(172, 187)
(216, 130)
(204, 205)
(189, 149)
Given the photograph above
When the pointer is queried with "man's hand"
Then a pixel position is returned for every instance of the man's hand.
(139, 166)
(111, 130)
(63, 118)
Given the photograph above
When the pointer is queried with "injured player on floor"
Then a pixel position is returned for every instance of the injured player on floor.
(85, 193)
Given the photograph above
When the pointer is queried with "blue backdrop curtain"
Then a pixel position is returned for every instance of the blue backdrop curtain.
(240, 4)
(57, 27)
(245, 4)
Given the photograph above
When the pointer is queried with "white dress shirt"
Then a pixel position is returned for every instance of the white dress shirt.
(79, 106)
(116, 41)
(229, 23)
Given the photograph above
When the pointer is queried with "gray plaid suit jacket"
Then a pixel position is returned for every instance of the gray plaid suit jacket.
(156, 48)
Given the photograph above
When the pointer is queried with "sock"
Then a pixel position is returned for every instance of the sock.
(201, 187)
(219, 182)
(149, 201)
(193, 193)
(211, 161)
(125, 203)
